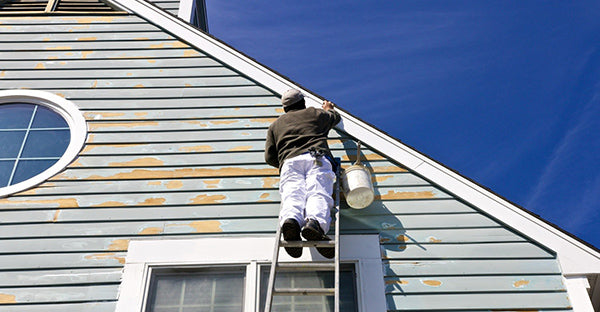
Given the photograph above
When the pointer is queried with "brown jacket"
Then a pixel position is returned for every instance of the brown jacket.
(295, 132)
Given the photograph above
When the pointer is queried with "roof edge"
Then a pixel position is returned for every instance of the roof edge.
(575, 256)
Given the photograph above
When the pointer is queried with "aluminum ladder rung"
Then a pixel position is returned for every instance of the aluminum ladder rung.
(306, 266)
(284, 243)
(304, 291)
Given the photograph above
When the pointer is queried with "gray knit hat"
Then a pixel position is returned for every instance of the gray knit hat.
(290, 97)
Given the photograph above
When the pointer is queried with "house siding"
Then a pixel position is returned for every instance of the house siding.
(175, 149)
(171, 6)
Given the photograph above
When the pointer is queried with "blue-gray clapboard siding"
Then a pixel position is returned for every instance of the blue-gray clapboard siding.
(175, 149)
(171, 6)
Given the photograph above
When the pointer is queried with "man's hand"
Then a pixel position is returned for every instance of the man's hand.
(327, 105)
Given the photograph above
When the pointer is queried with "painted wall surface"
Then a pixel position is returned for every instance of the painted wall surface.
(171, 6)
(175, 149)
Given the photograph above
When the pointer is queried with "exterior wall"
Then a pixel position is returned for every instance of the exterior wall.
(176, 150)
(171, 6)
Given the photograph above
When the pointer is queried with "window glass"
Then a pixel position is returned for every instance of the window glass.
(6, 167)
(46, 118)
(33, 137)
(321, 279)
(215, 290)
(9, 141)
(29, 168)
(46, 143)
(15, 116)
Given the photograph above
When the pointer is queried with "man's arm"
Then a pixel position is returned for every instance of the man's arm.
(271, 156)
(328, 107)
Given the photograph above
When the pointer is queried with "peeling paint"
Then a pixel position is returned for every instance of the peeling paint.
(188, 85)
(151, 231)
(96, 115)
(434, 240)
(223, 122)
(119, 244)
(363, 157)
(405, 195)
(209, 226)
(270, 182)
(90, 147)
(174, 185)
(188, 53)
(402, 238)
(139, 86)
(386, 169)
(141, 38)
(94, 85)
(85, 54)
(154, 183)
(96, 126)
(240, 148)
(40, 66)
(177, 44)
(6, 298)
(396, 282)
(279, 110)
(52, 58)
(110, 203)
(245, 133)
(87, 39)
(384, 240)
(56, 214)
(3, 73)
(263, 120)
(196, 148)
(108, 255)
(58, 48)
(264, 197)
(380, 179)
(432, 283)
(141, 114)
(182, 173)
(140, 162)
(196, 122)
(61, 202)
(151, 61)
(212, 183)
(207, 199)
(520, 284)
(152, 201)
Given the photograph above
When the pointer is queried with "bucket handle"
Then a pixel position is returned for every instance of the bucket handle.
(357, 154)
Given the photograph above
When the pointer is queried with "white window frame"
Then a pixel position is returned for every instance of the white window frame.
(145, 255)
(66, 109)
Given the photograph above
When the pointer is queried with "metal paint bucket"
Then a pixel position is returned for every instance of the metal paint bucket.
(357, 185)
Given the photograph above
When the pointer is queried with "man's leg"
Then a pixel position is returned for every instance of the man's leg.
(319, 187)
(292, 188)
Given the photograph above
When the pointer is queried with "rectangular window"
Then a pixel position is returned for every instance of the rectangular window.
(319, 279)
(203, 289)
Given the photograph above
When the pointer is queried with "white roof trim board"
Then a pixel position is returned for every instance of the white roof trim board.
(576, 258)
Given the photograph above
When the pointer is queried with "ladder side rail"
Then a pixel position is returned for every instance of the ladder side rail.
(274, 260)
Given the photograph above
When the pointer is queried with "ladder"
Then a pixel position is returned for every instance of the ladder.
(309, 266)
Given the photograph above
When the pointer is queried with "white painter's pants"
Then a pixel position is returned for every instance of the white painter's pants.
(306, 189)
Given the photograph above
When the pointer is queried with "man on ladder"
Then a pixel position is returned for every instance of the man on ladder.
(297, 145)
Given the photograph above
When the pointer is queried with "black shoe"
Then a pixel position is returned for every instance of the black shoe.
(312, 232)
(291, 232)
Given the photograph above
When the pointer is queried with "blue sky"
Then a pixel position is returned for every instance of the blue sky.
(505, 92)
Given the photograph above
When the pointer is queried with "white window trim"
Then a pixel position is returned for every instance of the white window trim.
(143, 255)
(65, 108)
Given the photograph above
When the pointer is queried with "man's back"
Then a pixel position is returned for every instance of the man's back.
(297, 131)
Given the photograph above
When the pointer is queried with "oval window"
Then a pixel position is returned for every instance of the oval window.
(40, 133)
